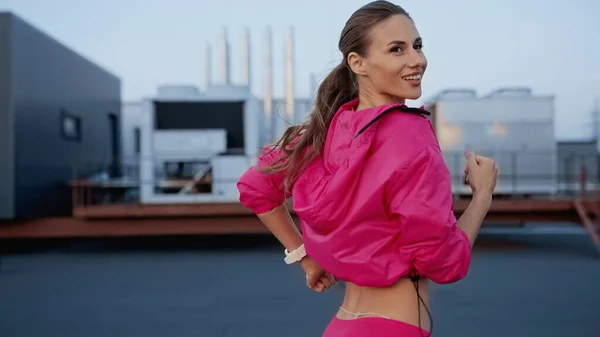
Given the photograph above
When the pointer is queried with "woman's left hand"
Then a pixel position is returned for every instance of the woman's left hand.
(317, 279)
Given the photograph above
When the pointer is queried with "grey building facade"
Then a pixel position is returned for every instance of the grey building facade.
(59, 114)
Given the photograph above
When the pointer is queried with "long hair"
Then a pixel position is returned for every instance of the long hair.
(301, 144)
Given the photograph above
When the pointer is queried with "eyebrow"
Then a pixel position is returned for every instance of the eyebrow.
(419, 39)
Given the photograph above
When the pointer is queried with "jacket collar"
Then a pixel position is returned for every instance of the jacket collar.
(373, 114)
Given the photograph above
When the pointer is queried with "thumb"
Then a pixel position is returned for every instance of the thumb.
(471, 158)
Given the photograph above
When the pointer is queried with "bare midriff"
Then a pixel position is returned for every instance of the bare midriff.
(396, 302)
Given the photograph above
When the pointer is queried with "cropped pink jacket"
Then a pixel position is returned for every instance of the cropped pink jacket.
(376, 205)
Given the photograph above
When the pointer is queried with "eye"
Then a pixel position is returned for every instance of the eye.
(396, 49)
(418, 46)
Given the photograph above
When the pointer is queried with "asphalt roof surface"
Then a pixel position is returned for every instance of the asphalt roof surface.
(518, 286)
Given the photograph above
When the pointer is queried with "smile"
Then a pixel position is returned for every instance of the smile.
(412, 77)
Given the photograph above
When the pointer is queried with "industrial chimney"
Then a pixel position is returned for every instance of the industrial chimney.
(225, 79)
(246, 75)
(208, 67)
(289, 77)
(269, 118)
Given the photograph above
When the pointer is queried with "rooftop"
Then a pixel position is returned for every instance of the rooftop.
(519, 286)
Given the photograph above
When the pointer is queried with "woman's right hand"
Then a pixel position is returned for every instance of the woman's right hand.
(317, 279)
(482, 174)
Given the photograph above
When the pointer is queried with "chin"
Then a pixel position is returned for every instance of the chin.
(413, 93)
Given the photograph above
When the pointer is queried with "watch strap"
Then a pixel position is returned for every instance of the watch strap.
(295, 255)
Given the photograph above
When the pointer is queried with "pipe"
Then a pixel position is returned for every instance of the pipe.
(224, 57)
(246, 70)
(289, 77)
(269, 120)
(208, 67)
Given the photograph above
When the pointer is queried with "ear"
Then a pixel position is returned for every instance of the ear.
(357, 63)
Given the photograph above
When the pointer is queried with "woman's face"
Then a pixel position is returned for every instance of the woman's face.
(394, 63)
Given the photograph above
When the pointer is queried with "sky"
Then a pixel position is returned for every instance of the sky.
(549, 46)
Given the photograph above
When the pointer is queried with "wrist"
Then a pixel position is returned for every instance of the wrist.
(483, 200)
(307, 263)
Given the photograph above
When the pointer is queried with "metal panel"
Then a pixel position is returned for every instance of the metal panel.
(573, 157)
(180, 145)
(50, 82)
(497, 135)
(227, 170)
(500, 109)
(517, 131)
(131, 117)
(7, 187)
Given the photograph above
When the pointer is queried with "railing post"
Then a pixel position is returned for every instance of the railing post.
(583, 180)
(513, 169)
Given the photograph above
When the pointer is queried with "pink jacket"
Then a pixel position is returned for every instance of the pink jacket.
(376, 206)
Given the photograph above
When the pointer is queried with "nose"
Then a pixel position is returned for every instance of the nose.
(417, 59)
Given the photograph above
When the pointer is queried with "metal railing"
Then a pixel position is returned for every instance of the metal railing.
(523, 174)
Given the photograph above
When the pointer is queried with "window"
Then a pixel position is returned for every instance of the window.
(137, 139)
(70, 126)
(203, 116)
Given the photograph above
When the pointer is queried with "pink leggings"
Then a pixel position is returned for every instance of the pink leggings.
(372, 326)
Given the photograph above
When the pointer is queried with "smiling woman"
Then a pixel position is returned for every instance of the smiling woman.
(370, 185)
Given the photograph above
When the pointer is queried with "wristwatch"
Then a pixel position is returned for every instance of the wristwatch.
(295, 255)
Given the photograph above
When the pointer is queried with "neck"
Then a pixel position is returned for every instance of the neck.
(367, 100)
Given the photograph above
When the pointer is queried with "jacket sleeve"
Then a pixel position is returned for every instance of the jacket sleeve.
(260, 191)
(421, 198)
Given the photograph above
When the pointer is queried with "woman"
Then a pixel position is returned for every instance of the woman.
(370, 185)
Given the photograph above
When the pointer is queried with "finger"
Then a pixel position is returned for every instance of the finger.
(332, 279)
(312, 280)
(316, 287)
(483, 161)
(480, 159)
(471, 159)
(320, 286)
(325, 281)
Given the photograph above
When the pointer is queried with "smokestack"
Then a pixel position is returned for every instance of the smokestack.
(225, 79)
(289, 77)
(208, 67)
(269, 118)
(246, 76)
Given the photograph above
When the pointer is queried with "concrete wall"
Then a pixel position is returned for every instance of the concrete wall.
(49, 82)
(6, 121)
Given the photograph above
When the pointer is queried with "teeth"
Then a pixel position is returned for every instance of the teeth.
(414, 77)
